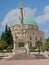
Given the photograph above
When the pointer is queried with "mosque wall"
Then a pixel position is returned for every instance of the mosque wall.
(31, 33)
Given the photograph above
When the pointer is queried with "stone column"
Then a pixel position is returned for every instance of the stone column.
(14, 49)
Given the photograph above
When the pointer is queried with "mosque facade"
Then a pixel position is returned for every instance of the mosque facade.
(25, 33)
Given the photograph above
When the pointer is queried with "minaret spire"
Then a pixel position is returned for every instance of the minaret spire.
(21, 15)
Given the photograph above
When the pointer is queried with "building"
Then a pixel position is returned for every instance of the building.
(25, 33)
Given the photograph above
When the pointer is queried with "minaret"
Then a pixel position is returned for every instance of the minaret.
(21, 15)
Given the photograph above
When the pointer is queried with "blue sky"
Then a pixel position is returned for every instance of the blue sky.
(38, 9)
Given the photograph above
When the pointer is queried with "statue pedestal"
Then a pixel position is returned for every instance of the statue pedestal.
(46, 54)
(14, 53)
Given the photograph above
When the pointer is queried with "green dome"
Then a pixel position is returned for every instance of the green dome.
(27, 20)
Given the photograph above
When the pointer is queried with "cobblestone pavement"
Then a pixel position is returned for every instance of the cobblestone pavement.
(22, 59)
(25, 62)
(31, 61)
(26, 57)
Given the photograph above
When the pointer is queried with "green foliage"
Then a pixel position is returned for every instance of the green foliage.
(10, 39)
(32, 49)
(10, 47)
(3, 36)
(2, 51)
(7, 37)
(46, 46)
(3, 44)
(39, 45)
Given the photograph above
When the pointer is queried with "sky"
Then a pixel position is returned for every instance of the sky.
(37, 9)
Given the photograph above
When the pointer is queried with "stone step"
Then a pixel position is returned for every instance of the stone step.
(26, 57)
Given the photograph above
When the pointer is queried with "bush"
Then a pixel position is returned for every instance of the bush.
(32, 49)
(9, 50)
(46, 45)
(1, 51)
(3, 44)
(10, 47)
(46, 48)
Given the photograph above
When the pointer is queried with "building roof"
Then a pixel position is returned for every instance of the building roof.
(29, 20)
(26, 20)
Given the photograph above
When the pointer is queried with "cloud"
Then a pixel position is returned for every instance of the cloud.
(46, 30)
(11, 16)
(14, 14)
(44, 17)
(29, 12)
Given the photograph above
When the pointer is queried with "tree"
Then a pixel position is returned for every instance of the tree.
(7, 36)
(3, 36)
(10, 38)
(46, 46)
(39, 45)
(3, 44)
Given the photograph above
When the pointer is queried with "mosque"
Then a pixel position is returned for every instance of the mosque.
(25, 33)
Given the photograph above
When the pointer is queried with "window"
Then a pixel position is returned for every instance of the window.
(21, 44)
(36, 38)
(30, 38)
(33, 33)
(41, 38)
(30, 45)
